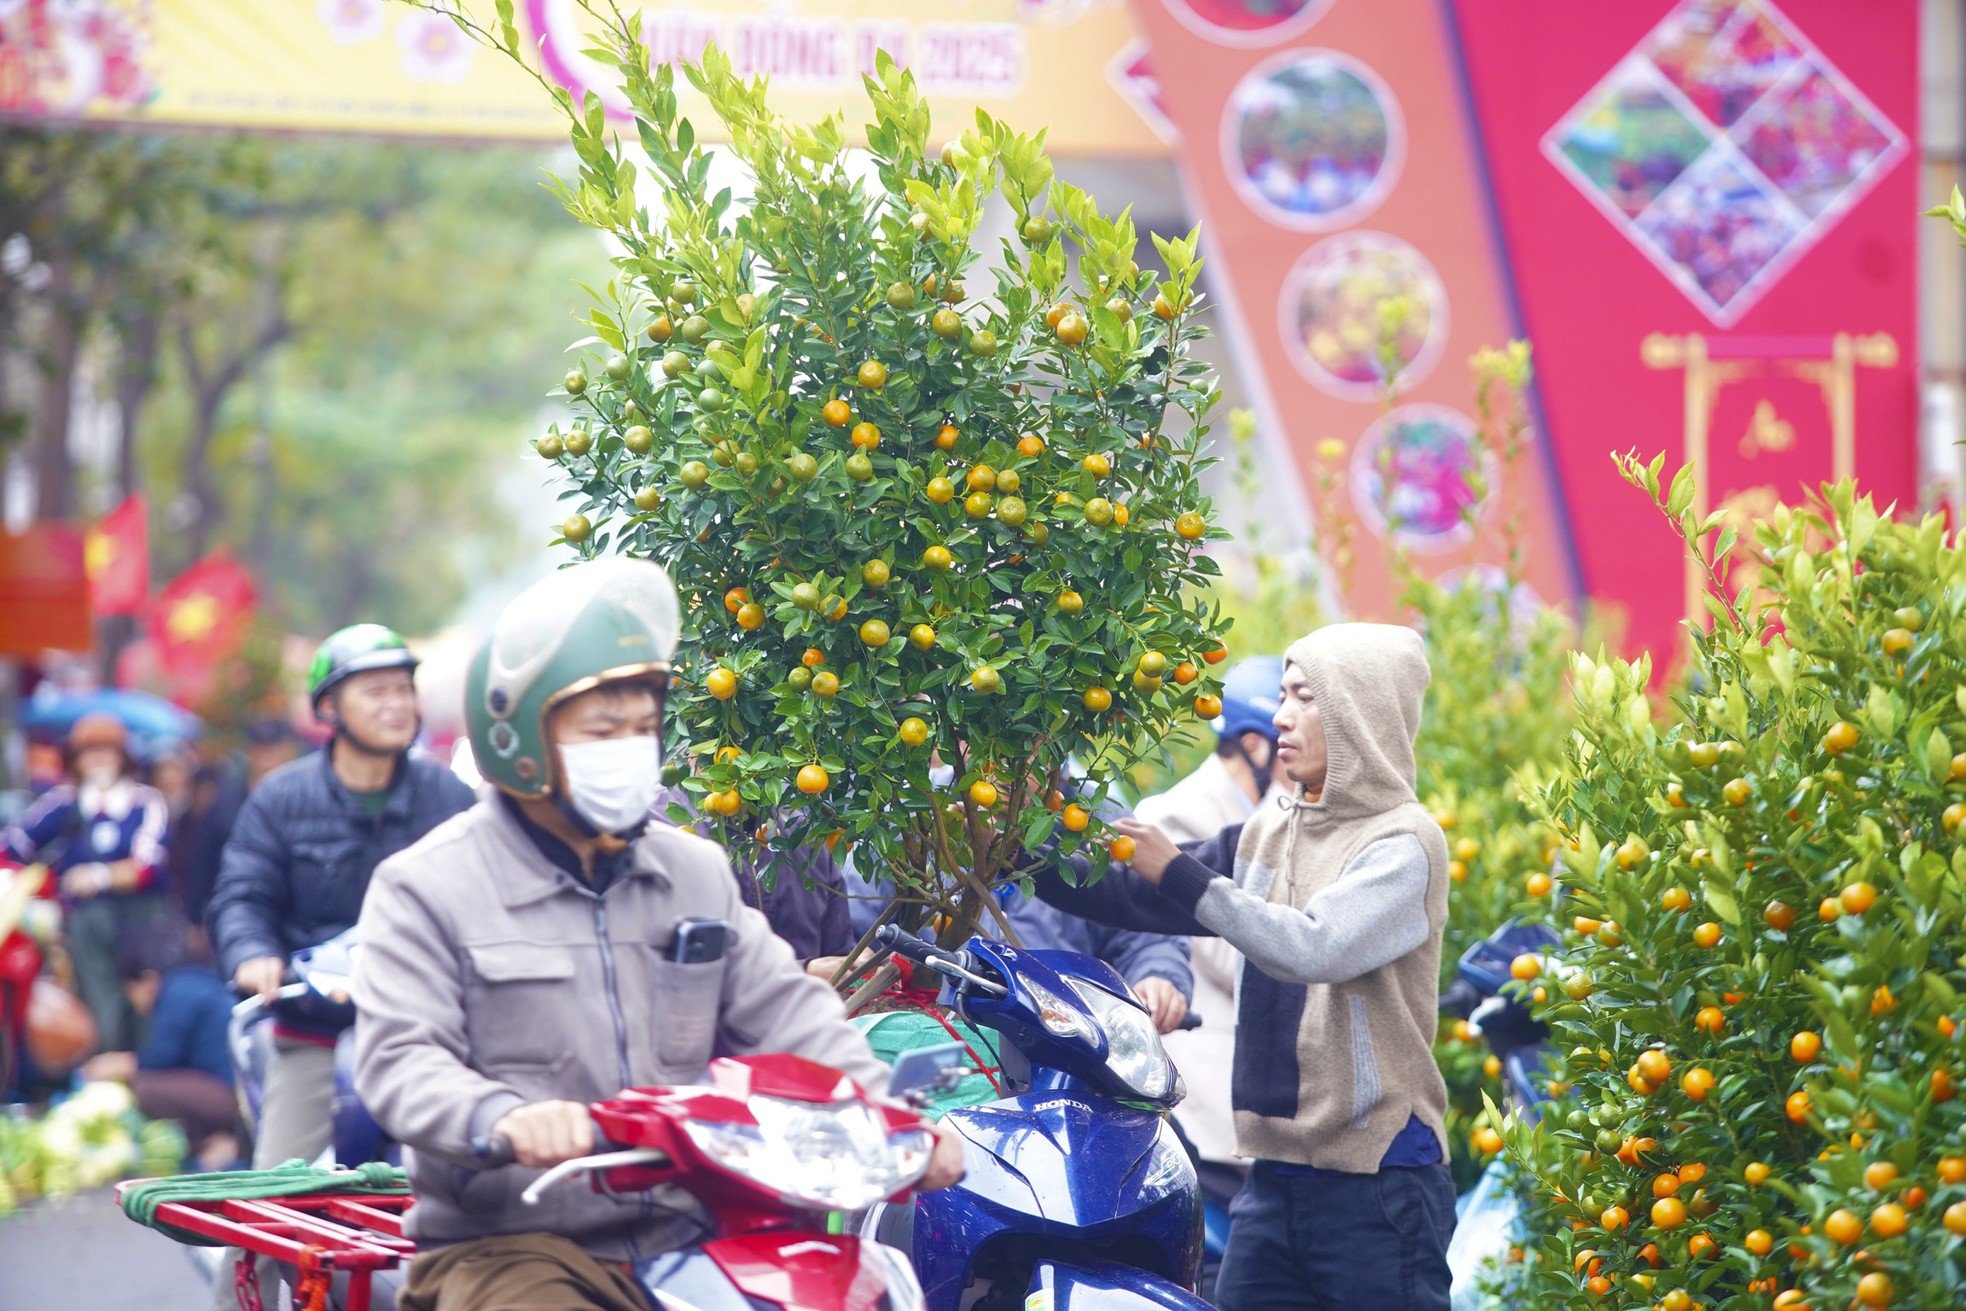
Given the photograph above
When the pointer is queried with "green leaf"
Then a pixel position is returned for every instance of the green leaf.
(1881, 710)
(1680, 496)
(1938, 755)
(1723, 902)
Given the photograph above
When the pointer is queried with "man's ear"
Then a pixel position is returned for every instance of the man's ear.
(1257, 748)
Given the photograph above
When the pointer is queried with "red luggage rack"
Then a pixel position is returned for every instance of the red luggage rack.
(320, 1235)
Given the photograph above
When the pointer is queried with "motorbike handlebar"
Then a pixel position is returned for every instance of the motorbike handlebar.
(959, 966)
(497, 1151)
(894, 938)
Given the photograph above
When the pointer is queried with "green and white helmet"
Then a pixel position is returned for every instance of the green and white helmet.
(354, 650)
(601, 621)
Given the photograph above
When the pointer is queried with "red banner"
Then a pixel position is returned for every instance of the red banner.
(44, 591)
(117, 551)
(1710, 209)
(1328, 152)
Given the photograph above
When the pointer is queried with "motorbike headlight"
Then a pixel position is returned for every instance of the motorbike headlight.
(832, 1157)
(1133, 1046)
(1060, 1016)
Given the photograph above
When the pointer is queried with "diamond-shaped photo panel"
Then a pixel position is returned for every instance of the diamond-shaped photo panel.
(1724, 146)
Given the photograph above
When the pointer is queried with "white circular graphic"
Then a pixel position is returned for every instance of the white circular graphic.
(1410, 477)
(1345, 296)
(1312, 139)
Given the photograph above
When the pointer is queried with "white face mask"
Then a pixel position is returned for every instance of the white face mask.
(941, 776)
(612, 783)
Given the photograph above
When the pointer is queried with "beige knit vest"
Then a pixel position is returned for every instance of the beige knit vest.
(1364, 1048)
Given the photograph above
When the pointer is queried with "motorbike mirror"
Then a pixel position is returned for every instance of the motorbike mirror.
(928, 1070)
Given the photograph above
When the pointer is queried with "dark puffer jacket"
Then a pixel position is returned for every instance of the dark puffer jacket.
(302, 850)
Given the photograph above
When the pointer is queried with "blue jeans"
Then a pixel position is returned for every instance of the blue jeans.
(1339, 1242)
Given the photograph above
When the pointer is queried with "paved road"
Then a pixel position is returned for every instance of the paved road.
(82, 1255)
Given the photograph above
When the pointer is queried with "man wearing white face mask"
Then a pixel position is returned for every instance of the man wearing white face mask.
(550, 947)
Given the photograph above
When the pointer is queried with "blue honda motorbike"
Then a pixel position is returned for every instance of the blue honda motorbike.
(1078, 1194)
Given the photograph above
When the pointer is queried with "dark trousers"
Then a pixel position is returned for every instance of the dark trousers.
(201, 1103)
(1354, 1242)
(94, 929)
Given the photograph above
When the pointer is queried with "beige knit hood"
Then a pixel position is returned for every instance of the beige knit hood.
(1369, 681)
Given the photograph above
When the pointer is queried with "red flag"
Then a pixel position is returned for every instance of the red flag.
(118, 555)
(198, 620)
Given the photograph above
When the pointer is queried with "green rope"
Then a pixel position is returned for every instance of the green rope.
(294, 1179)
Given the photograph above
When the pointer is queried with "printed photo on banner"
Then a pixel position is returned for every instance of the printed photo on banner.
(1355, 301)
(1312, 139)
(1722, 55)
(1247, 22)
(1421, 477)
(1632, 141)
(1724, 146)
(1721, 228)
(1813, 140)
(68, 59)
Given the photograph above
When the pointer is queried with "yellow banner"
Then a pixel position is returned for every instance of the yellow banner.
(369, 66)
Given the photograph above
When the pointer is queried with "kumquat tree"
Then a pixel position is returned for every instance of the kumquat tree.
(1757, 999)
(917, 511)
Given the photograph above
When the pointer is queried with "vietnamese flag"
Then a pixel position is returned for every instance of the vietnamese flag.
(199, 618)
(117, 552)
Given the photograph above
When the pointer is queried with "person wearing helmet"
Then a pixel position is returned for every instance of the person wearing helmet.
(1224, 790)
(302, 849)
(102, 834)
(552, 946)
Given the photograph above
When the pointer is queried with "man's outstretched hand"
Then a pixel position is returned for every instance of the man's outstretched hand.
(543, 1134)
(945, 1164)
(1164, 1003)
(1153, 850)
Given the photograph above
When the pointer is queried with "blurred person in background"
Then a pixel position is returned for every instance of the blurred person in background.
(268, 744)
(1223, 790)
(103, 836)
(183, 1070)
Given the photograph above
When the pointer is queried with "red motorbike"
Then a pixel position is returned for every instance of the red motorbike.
(771, 1145)
(20, 965)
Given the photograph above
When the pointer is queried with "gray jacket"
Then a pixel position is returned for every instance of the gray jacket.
(488, 977)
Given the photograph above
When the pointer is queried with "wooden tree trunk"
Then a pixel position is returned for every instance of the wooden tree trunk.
(54, 473)
(211, 382)
(136, 375)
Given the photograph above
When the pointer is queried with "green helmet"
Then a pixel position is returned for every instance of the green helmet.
(600, 621)
(354, 650)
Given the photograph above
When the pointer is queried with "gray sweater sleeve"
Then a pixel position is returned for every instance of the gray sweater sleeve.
(1373, 913)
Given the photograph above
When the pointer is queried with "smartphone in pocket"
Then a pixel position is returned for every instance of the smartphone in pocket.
(698, 941)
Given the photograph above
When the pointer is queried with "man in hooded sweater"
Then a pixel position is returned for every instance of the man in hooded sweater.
(1336, 897)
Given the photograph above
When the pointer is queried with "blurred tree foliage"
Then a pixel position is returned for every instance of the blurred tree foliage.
(314, 352)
